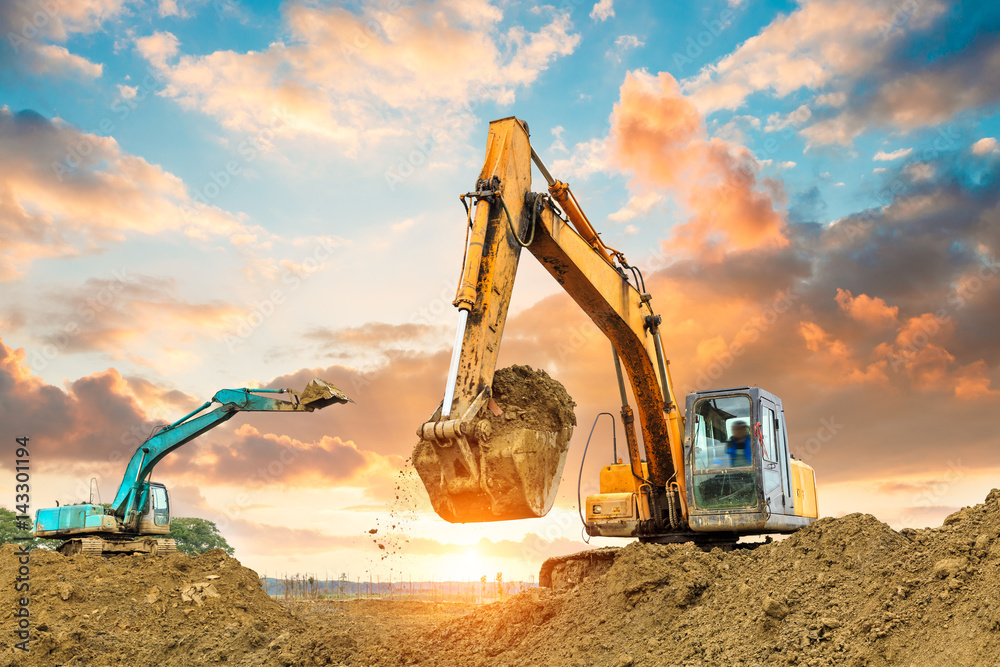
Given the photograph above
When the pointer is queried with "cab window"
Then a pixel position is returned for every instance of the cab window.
(161, 508)
(723, 460)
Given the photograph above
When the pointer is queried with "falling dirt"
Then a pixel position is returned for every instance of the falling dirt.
(844, 591)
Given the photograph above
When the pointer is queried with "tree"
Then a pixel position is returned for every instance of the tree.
(196, 536)
(11, 529)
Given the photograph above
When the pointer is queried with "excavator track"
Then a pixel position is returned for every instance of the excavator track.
(98, 546)
(568, 571)
(166, 547)
(82, 545)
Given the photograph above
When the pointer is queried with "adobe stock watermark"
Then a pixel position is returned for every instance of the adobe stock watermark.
(809, 448)
(901, 15)
(369, 31)
(933, 493)
(125, 105)
(855, 227)
(269, 473)
(407, 164)
(88, 311)
(748, 334)
(32, 24)
(292, 280)
(695, 44)
(219, 179)
(900, 357)
(435, 310)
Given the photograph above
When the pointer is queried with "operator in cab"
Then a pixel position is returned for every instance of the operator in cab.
(738, 447)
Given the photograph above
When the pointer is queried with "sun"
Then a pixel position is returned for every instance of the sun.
(467, 565)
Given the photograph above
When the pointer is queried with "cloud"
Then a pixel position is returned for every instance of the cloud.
(106, 417)
(603, 10)
(866, 309)
(158, 48)
(358, 77)
(587, 158)
(865, 63)
(882, 156)
(985, 146)
(622, 44)
(808, 48)
(97, 413)
(116, 313)
(34, 30)
(795, 119)
(973, 382)
(658, 136)
(918, 96)
(637, 205)
(734, 130)
(66, 193)
(248, 457)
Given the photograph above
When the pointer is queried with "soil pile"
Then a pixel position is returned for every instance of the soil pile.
(846, 591)
(533, 399)
(144, 610)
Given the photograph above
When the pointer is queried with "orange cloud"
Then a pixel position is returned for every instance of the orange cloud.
(97, 414)
(30, 27)
(818, 340)
(248, 456)
(973, 382)
(357, 77)
(866, 309)
(659, 137)
(64, 193)
(809, 47)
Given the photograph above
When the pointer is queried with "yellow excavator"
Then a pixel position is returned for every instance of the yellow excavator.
(715, 469)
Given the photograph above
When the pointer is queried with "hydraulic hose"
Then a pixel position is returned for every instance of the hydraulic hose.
(579, 479)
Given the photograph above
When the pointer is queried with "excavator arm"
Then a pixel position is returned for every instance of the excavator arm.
(133, 490)
(132, 522)
(456, 458)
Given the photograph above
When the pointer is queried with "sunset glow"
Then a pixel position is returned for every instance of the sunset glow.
(203, 195)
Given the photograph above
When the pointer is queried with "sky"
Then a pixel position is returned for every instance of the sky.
(208, 194)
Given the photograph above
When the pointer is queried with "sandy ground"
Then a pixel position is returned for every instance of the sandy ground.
(844, 591)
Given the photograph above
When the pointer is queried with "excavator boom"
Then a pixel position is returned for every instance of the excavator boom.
(459, 464)
(131, 513)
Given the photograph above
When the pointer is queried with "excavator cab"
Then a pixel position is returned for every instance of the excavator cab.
(740, 476)
(155, 518)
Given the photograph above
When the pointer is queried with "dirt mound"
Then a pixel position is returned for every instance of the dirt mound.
(533, 399)
(143, 610)
(845, 591)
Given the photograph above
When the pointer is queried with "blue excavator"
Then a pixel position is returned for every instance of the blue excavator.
(140, 512)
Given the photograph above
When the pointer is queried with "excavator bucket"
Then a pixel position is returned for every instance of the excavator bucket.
(319, 394)
(512, 475)
(503, 458)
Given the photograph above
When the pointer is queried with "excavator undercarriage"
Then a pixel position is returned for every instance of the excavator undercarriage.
(111, 547)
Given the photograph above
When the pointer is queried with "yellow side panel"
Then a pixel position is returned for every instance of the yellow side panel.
(613, 507)
(804, 488)
(618, 478)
